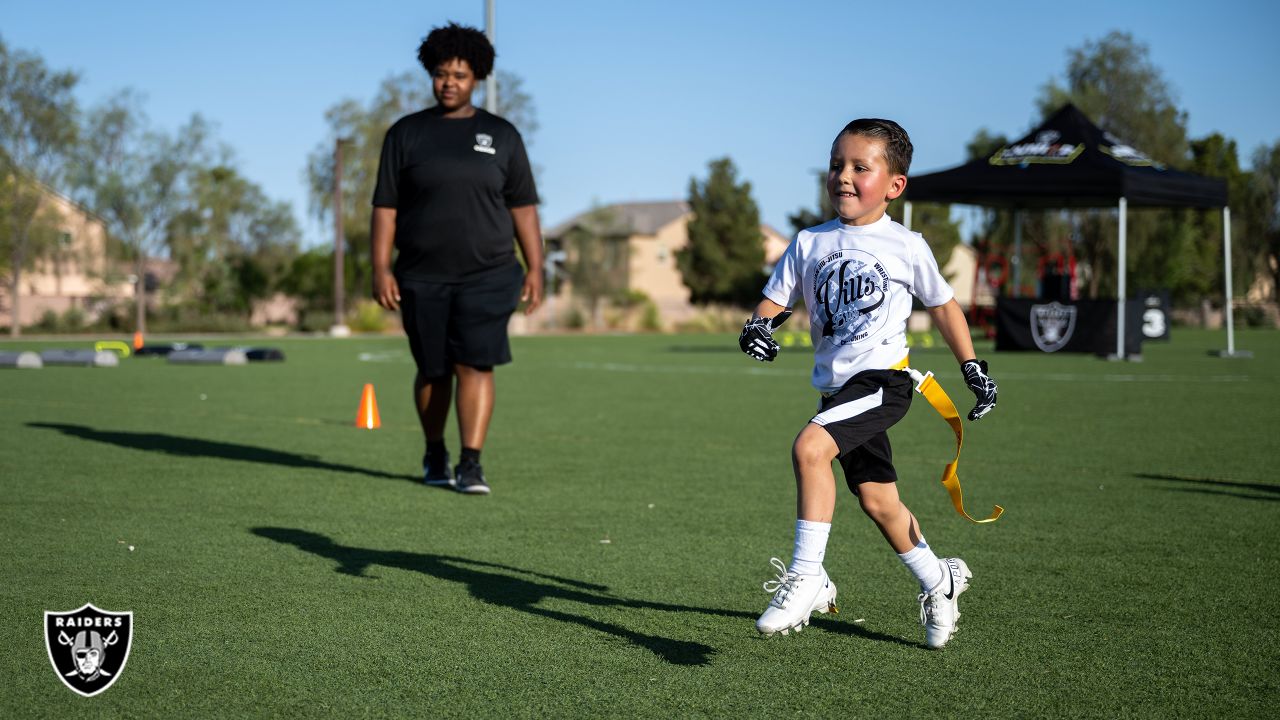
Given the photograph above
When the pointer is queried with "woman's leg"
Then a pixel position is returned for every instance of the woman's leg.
(475, 404)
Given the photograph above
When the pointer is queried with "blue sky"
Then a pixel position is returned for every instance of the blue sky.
(634, 98)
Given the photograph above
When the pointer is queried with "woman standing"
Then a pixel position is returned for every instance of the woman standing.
(454, 186)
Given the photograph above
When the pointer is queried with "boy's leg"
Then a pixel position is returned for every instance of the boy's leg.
(941, 581)
(804, 588)
(811, 457)
(881, 503)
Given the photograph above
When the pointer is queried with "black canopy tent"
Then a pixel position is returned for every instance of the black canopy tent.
(1069, 162)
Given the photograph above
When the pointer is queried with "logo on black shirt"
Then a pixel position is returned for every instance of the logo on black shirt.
(484, 143)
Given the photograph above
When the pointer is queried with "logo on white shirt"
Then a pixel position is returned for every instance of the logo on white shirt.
(484, 144)
(850, 288)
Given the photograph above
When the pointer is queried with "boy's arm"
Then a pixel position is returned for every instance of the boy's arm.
(768, 309)
(756, 339)
(949, 319)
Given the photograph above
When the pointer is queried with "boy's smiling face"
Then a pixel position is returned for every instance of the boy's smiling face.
(859, 181)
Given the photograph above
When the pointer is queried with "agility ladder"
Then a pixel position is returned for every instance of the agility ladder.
(937, 397)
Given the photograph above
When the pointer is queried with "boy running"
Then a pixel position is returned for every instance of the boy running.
(856, 275)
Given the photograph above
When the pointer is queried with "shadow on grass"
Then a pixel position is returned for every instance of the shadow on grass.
(507, 586)
(522, 590)
(1210, 486)
(195, 447)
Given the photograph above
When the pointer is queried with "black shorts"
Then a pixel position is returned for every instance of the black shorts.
(463, 323)
(857, 418)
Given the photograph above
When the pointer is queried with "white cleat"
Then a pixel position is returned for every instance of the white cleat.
(940, 607)
(795, 598)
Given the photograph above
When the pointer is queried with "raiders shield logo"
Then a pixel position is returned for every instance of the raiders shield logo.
(88, 647)
(484, 144)
(1052, 325)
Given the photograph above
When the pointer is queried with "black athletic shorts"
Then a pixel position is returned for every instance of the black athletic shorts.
(858, 415)
(463, 323)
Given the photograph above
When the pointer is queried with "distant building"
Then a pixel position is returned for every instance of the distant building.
(646, 236)
(76, 274)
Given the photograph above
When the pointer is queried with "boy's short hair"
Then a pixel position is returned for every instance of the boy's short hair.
(897, 144)
(443, 44)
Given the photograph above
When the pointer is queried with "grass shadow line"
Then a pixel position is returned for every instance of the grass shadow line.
(1214, 486)
(502, 585)
(189, 447)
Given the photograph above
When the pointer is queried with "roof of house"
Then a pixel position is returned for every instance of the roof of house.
(630, 218)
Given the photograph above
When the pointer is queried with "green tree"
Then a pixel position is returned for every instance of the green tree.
(138, 179)
(1261, 239)
(231, 244)
(806, 217)
(597, 260)
(724, 260)
(1113, 81)
(37, 133)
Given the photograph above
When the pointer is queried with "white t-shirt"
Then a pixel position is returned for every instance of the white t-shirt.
(857, 283)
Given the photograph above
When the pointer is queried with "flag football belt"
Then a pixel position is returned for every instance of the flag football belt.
(937, 397)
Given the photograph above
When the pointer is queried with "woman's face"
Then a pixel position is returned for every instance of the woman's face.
(452, 83)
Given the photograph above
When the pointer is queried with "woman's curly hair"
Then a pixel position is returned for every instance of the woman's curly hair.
(457, 41)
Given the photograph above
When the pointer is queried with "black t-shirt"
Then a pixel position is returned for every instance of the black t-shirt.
(452, 183)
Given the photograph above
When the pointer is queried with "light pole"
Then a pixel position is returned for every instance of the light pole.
(339, 328)
(491, 82)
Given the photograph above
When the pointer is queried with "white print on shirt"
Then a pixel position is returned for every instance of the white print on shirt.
(484, 144)
(850, 288)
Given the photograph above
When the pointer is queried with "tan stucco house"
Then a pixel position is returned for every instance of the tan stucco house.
(646, 236)
(75, 274)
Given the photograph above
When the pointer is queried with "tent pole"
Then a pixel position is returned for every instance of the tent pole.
(1226, 264)
(1017, 253)
(906, 214)
(1228, 311)
(1120, 278)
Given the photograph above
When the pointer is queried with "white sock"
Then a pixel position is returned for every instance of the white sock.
(922, 563)
(811, 546)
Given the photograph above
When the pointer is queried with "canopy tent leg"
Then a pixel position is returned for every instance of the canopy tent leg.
(1121, 276)
(906, 214)
(1228, 310)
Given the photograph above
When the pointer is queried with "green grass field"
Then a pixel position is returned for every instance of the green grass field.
(285, 563)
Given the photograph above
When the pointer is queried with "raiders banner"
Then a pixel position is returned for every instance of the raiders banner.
(1077, 326)
(88, 647)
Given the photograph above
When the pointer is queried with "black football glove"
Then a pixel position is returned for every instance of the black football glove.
(983, 387)
(757, 340)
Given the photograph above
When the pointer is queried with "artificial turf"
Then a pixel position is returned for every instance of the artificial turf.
(281, 562)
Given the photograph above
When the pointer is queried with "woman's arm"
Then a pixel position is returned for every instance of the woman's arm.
(385, 288)
(529, 235)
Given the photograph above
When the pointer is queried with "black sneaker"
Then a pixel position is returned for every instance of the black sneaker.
(435, 470)
(470, 478)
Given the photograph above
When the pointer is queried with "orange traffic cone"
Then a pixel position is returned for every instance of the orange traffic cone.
(137, 341)
(367, 415)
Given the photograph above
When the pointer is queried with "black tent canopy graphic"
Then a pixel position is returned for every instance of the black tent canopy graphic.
(1070, 162)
